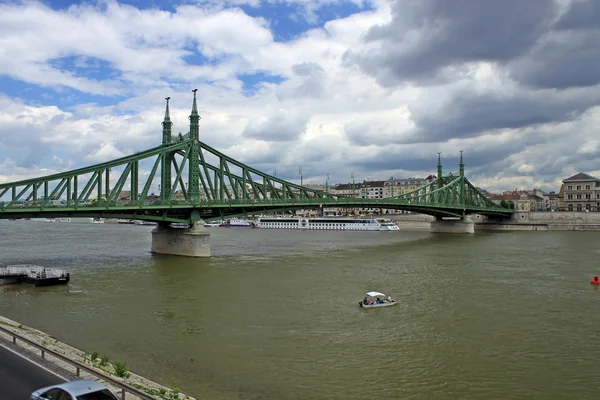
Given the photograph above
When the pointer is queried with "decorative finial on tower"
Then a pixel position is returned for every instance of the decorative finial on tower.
(194, 106)
(461, 165)
(195, 120)
(167, 124)
(167, 114)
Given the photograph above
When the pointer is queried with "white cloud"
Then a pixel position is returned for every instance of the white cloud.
(322, 112)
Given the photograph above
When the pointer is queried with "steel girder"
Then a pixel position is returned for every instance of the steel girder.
(221, 187)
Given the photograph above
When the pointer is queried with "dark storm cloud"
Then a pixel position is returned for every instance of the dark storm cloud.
(582, 14)
(569, 55)
(426, 36)
(280, 127)
(467, 114)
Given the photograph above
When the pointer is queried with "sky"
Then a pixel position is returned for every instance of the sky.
(369, 88)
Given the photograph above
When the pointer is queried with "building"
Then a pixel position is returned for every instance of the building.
(581, 192)
(395, 187)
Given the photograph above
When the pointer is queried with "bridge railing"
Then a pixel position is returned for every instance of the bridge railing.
(417, 201)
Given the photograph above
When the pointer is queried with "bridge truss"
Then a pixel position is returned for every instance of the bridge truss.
(189, 180)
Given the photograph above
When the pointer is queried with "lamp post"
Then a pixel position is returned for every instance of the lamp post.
(300, 172)
(326, 183)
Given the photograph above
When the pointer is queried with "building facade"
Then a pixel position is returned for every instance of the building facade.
(581, 192)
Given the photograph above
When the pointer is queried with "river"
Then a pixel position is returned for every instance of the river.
(274, 314)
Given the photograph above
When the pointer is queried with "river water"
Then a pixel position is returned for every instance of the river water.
(274, 314)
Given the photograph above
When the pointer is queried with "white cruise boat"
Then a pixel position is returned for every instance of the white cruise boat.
(331, 223)
(236, 223)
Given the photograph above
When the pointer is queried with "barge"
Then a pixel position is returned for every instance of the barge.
(33, 275)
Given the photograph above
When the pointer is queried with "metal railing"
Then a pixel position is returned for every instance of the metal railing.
(79, 366)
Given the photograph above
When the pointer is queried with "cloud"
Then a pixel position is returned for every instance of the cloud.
(427, 38)
(377, 93)
(282, 126)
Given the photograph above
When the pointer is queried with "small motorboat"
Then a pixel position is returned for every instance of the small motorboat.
(377, 299)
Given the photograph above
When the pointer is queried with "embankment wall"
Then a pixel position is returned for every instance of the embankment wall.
(520, 221)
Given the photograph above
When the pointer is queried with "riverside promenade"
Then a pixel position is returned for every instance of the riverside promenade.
(66, 370)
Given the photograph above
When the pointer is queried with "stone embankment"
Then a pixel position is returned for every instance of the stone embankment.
(543, 221)
(412, 221)
(520, 221)
(66, 370)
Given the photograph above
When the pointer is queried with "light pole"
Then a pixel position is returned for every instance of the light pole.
(326, 183)
(300, 172)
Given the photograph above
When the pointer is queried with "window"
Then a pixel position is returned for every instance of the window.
(569, 197)
(578, 187)
(587, 187)
(579, 196)
(588, 196)
(570, 187)
(597, 196)
(56, 394)
(98, 395)
(570, 207)
(579, 208)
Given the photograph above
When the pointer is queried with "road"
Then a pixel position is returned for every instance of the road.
(19, 376)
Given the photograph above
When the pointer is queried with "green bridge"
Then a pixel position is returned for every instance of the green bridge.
(195, 182)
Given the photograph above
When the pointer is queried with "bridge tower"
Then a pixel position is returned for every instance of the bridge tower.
(439, 171)
(195, 240)
(454, 225)
(194, 166)
(165, 181)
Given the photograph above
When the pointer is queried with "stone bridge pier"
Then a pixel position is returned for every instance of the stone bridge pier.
(452, 225)
(188, 242)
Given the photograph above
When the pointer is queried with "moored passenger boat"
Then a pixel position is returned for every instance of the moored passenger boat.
(329, 223)
(236, 223)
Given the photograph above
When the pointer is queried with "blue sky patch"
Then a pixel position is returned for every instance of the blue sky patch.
(253, 82)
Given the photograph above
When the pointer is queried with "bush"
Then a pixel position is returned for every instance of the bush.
(104, 360)
(121, 369)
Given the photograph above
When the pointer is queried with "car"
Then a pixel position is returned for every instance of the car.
(83, 389)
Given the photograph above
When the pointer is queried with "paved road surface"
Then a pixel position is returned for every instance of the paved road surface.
(19, 376)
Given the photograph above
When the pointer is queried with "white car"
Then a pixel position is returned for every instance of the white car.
(84, 389)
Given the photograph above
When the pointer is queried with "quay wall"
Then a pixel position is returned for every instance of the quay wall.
(413, 221)
(520, 221)
(543, 221)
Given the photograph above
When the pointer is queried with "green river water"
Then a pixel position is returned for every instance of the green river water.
(274, 314)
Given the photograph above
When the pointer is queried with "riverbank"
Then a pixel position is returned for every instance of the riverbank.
(520, 221)
(66, 370)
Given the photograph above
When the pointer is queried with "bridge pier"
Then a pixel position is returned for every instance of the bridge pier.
(188, 242)
(459, 225)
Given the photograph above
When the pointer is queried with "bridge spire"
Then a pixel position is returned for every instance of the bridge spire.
(461, 165)
(439, 166)
(194, 156)
(194, 120)
(167, 124)
(167, 158)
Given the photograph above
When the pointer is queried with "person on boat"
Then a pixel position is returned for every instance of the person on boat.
(389, 299)
(595, 281)
(365, 301)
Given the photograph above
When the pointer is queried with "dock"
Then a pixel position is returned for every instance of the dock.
(35, 275)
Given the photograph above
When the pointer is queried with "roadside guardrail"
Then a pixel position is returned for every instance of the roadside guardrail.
(79, 366)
